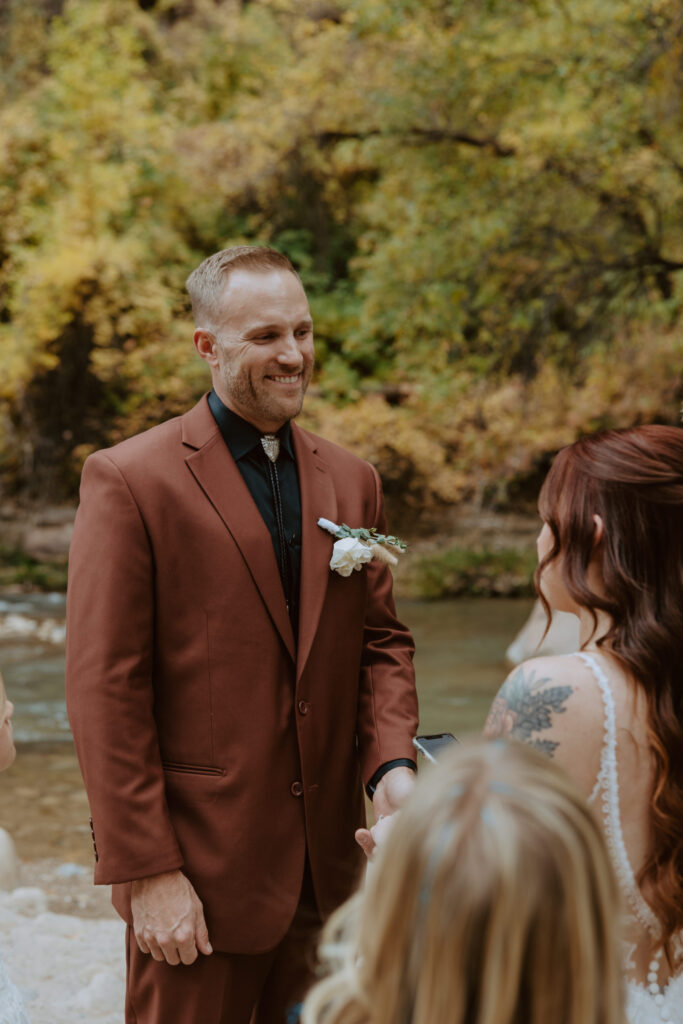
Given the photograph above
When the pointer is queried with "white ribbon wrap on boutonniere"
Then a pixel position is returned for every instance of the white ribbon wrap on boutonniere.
(355, 547)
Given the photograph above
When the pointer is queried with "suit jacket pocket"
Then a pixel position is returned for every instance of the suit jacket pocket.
(192, 769)
(191, 787)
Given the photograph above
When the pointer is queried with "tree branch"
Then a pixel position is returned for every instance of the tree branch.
(418, 136)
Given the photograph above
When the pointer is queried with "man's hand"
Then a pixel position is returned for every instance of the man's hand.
(168, 918)
(392, 790)
(370, 838)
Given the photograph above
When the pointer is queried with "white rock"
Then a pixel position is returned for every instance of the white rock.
(28, 901)
(70, 969)
(105, 990)
(51, 631)
(15, 625)
(66, 926)
(71, 870)
(9, 862)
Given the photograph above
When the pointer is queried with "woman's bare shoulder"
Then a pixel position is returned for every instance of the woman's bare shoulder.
(570, 669)
(554, 704)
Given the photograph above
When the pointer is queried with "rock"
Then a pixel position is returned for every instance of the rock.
(9, 862)
(47, 541)
(561, 638)
(51, 631)
(71, 871)
(15, 625)
(71, 970)
(105, 990)
(28, 901)
(19, 626)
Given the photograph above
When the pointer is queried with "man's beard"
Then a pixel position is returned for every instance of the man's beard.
(241, 390)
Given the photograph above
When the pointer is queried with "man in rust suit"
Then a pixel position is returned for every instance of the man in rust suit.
(229, 694)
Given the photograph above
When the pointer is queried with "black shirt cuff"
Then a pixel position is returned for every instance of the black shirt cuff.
(399, 762)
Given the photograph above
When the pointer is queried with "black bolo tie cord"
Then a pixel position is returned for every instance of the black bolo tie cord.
(277, 499)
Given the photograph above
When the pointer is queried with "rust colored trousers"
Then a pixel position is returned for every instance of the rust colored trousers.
(227, 988)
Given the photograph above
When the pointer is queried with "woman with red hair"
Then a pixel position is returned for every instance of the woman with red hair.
(611, 551)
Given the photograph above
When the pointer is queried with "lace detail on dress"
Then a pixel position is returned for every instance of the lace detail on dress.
(641, 1008)
(644, 1006)
(608, 784)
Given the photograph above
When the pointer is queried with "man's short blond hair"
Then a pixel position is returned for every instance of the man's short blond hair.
(206, 283)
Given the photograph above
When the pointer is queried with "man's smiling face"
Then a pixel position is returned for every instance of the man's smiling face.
(261, 352)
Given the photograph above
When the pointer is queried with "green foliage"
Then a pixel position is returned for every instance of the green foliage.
(19, 569)
(489, 442)
(478, 572)
(369, 536)
(485, 202)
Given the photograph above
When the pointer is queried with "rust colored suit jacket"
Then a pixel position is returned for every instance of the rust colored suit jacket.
(210, 738)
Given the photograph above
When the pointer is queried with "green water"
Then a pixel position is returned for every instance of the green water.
(460, 665)
(460, 657)
(459, 661)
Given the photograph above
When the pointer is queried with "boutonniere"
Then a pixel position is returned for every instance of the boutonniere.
(354, 547)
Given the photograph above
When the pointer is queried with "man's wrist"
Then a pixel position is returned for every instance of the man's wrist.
(398, 762)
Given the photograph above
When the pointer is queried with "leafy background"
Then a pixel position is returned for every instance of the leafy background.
(484, 199)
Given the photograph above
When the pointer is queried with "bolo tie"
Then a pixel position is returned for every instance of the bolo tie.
(271, 446)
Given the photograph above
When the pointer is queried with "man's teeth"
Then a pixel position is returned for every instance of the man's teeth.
(287, 380)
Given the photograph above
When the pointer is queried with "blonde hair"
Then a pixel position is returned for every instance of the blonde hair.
(492, 902)
(206, 283)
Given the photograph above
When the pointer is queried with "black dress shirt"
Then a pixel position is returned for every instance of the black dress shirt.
(244, 442)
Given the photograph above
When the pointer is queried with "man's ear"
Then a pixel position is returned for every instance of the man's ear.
(205, 343)
(599, 530)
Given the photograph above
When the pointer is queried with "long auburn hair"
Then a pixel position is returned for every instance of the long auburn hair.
(633, 479)
(492, 902)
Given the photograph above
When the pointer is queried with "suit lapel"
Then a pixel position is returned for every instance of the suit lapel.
(217, 474)
(318, 499)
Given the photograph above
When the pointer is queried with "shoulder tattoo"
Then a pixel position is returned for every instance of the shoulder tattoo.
(523, 708)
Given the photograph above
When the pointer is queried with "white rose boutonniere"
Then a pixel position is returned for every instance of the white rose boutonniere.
(355, 547)
(349, 554)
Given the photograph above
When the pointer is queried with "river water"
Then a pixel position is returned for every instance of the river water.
(32, 663)
(459, 662)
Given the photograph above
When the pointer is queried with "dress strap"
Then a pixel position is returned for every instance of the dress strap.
(608, 784)
(608, 753)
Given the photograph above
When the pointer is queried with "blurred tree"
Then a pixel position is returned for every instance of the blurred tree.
(528, 193)
(93, 258)
(485, 202)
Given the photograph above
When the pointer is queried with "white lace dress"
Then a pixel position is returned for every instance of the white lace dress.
(12, 1009)
(647, 1004)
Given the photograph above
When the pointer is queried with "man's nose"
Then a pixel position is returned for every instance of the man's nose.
(289, 351)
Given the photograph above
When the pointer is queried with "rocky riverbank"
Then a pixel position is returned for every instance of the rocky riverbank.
(60, 938)
(472, 553)
(70, 969)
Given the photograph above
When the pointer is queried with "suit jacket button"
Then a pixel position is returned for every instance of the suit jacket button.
(303, 707)
(296, 789)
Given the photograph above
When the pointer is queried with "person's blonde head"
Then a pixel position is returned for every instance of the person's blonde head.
(7, 749)
(492, 902)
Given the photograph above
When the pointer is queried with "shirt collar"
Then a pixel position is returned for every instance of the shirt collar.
(241, 436)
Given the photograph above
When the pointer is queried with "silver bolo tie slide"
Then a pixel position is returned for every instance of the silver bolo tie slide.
(271, 446)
